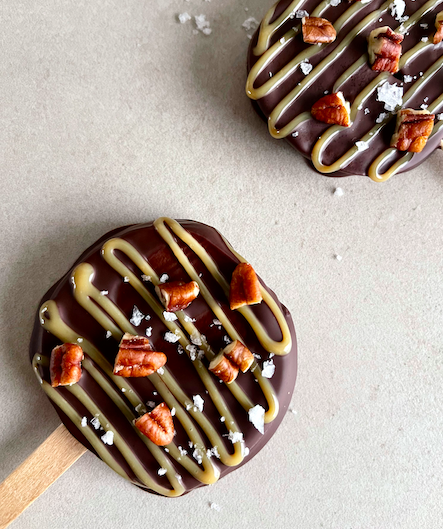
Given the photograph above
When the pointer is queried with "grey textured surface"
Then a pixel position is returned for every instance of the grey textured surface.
(112, 113)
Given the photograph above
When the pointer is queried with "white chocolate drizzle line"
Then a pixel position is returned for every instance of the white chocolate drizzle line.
(269, 54)
(58, 328)
(119, 244)
(269, 30)
(344, 160)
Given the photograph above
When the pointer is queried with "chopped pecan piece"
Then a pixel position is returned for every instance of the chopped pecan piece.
(332, 109)
(157, 425)
(384, 48)
(245, 287)
(318, 30)
(177, 295)
(135, 357)
(412, 130)
(65, 367)
(239, 355)
(438, 37)
(223, 368)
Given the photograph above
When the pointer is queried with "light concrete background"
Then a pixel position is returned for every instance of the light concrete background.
(112, 113)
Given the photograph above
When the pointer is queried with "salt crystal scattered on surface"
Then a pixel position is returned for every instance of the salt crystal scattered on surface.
(172, 412)
(137, 316)
(197, 455)
(126, 279)
(182, 451)
(222, 419)
(184, 17)
(140, 407)
(202, 24)
(338, 257)
(146, 278)
(306, 67)
(334, 3)
(294, 134)
(108, 438)
(250, 24)
(79, 340)
(163, 278)
(104, 292)
(189, 319)
(301, 13)
(169, 316)
(196, 338)
(424, 106)
(362, 145)
(235, 437)
(424, 39)
(171, 337)
(161, 471)
(160, 371)
(391, 95)
(226, 339)
(215, 506)
(424, 25)
(148, 332)
(339, 192)
(407, 78)
(108, 334)
(84, 422)
(397, 8)
(150, 404)
(439, 117)
(95, 423)
(381, 117)
(257, 417)
(198, 402)
(268, 369)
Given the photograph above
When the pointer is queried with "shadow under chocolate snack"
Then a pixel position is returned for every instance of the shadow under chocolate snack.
(111, 291)
(287, 76)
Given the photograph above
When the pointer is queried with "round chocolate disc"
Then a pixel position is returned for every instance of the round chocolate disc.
(287, 76)
(110, 291)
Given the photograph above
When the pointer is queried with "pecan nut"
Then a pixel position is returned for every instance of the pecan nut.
(332, 109)
(245, 287)
(239, 355)
(157, 425)
(65, 366)
(135, 357)
(177, 295)
(438, 37)
(384, 48)
(412, 130)
(223, 368)
(318, 30)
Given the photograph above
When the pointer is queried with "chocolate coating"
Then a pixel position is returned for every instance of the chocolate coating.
(153, 248)
(310, 131)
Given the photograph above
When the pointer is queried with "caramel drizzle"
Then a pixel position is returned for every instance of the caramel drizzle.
(266, 32)
(112, 319)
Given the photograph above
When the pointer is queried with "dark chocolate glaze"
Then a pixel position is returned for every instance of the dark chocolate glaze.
(310, 131)
(154, 249)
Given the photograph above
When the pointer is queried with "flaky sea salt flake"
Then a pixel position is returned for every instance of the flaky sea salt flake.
(108, 438)
(268, 369)
(169, 316)
(250, 24)
(198, 402)
(362, 145)
(171, 337)
(184, 17)
(215, 506)
(391, 95)
(84, 422)
(161, 471)
(137, 316)
(306, 67)
(257, 417)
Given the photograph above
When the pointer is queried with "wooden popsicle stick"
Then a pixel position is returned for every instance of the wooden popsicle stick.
(47, 463)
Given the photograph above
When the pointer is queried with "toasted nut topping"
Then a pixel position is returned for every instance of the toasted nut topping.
(135, 357)
(245, 287)
(412, 130)
(332, 109)
(318, 30)
(239, 355)
(157, 425)
(223, 368)
(438, 37)
(384, 48)
(65, 366)
(177, 295)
